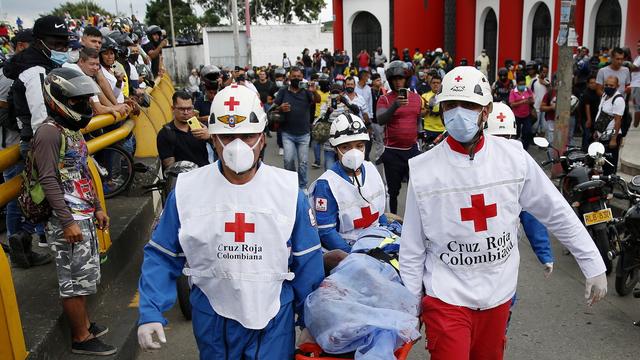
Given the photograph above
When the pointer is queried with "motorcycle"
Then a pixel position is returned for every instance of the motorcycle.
(588, 197)
(625, 233)
(165, 186)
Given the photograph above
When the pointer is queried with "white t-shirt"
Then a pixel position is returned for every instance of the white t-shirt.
(611, 108)
(539, 90)
(117, 92)
(635, 76)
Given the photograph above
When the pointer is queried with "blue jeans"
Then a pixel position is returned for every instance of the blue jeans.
(317, 157)
(296, 147)
(329, 159)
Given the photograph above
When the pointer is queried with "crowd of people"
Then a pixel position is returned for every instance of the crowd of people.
(257, 240)
(54, 78)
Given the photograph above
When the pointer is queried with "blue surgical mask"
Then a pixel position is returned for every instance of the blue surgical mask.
(59, 57)
(521, 87)
(461, 123)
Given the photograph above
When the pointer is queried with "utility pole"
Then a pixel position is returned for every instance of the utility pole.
(236, 32)
(564, 75)
(247, 21)
(173, 42)
(117, 12)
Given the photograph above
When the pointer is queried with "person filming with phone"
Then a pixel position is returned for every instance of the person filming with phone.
(399, 110)
(185, 138)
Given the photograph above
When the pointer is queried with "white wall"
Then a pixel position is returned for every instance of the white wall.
(528, 13)
(187, 58)
(590, 13)
(268, 42)
(482, 9)
(379, 9)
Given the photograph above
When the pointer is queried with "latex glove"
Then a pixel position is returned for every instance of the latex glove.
(145, 335)
(595, 288)
(548, 269)
(305, 338)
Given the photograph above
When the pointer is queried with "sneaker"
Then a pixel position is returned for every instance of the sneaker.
(315, 165)
(42, 241)
(98, 330)
(281, 151)
(92, 346)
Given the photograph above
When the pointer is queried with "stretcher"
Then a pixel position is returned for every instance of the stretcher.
(313, 351)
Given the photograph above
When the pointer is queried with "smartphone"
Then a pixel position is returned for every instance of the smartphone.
(334, 102)
(402, 93)
(194, 123)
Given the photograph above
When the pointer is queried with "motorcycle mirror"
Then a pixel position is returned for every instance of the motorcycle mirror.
(595, 149)
(541, 142)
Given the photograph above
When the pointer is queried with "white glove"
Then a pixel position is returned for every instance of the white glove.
(595, 288)
(548, 269)
(145, 335)
(305, 337)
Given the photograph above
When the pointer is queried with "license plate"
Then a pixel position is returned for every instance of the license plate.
(597, 217)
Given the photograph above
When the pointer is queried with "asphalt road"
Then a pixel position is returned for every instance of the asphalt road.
(550, 321)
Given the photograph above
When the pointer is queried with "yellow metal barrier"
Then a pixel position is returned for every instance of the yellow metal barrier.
(145, 127)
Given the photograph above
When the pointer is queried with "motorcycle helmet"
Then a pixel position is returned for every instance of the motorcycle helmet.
(209, 75)
(154, 29)
(66, 94)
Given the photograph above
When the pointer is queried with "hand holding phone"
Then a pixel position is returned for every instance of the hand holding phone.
(402, 97)
(194, 123)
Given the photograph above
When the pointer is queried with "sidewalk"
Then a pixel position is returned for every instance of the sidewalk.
(629, 163)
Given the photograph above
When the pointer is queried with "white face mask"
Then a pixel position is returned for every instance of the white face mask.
(352, 159)
(74, 56)
(238, 156)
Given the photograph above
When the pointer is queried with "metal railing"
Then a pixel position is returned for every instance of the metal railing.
(145, 127)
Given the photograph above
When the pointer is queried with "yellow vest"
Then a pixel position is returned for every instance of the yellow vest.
(431, 122)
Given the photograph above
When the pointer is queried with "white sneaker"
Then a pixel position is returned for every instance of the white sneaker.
(281, 151)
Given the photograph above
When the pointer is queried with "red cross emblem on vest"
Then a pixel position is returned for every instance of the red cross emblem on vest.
(367, 218)
(501, 117)
(231, 103)
(479, 212)
(458, 78)
(239, 227)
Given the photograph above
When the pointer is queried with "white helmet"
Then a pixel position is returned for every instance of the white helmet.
(465, 83)
(347, 127)
(501, 120)
(236, 110)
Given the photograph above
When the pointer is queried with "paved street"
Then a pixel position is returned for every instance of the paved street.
(550, 321)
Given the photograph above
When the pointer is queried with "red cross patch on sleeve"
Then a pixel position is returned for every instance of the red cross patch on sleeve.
(321, 204)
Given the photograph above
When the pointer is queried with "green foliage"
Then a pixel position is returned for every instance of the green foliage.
(209, 18)
(283, 11)
(78, 9)
(184, 18)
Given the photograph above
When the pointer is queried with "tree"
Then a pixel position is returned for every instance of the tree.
(184, 19)
(79, 9)
(283, 11)
(210, 18)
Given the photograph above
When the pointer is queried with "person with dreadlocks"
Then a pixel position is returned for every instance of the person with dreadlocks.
(350, 196)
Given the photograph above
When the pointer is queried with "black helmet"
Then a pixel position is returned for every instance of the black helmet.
(108, 44)
(154, 29)
(209, 75)
(397, 68)
(251, 75)
(61, 86)
(503, 71)
(123, 41)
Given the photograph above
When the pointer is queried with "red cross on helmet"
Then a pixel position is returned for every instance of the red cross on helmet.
(501, 121)
(236, 110)
(465, 83)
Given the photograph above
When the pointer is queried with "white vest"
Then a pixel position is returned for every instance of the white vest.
(469, 212)
(235, 239)
(354, 212)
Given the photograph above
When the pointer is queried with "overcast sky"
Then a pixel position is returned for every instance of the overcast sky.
(28, 10)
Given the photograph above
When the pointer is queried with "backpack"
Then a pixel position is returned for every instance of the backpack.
(603, 119)
(8, 119)
(320, 132)
(31, 199)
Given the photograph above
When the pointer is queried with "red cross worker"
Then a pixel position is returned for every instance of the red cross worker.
(241, 230)
(349, 197)
(459, 250)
